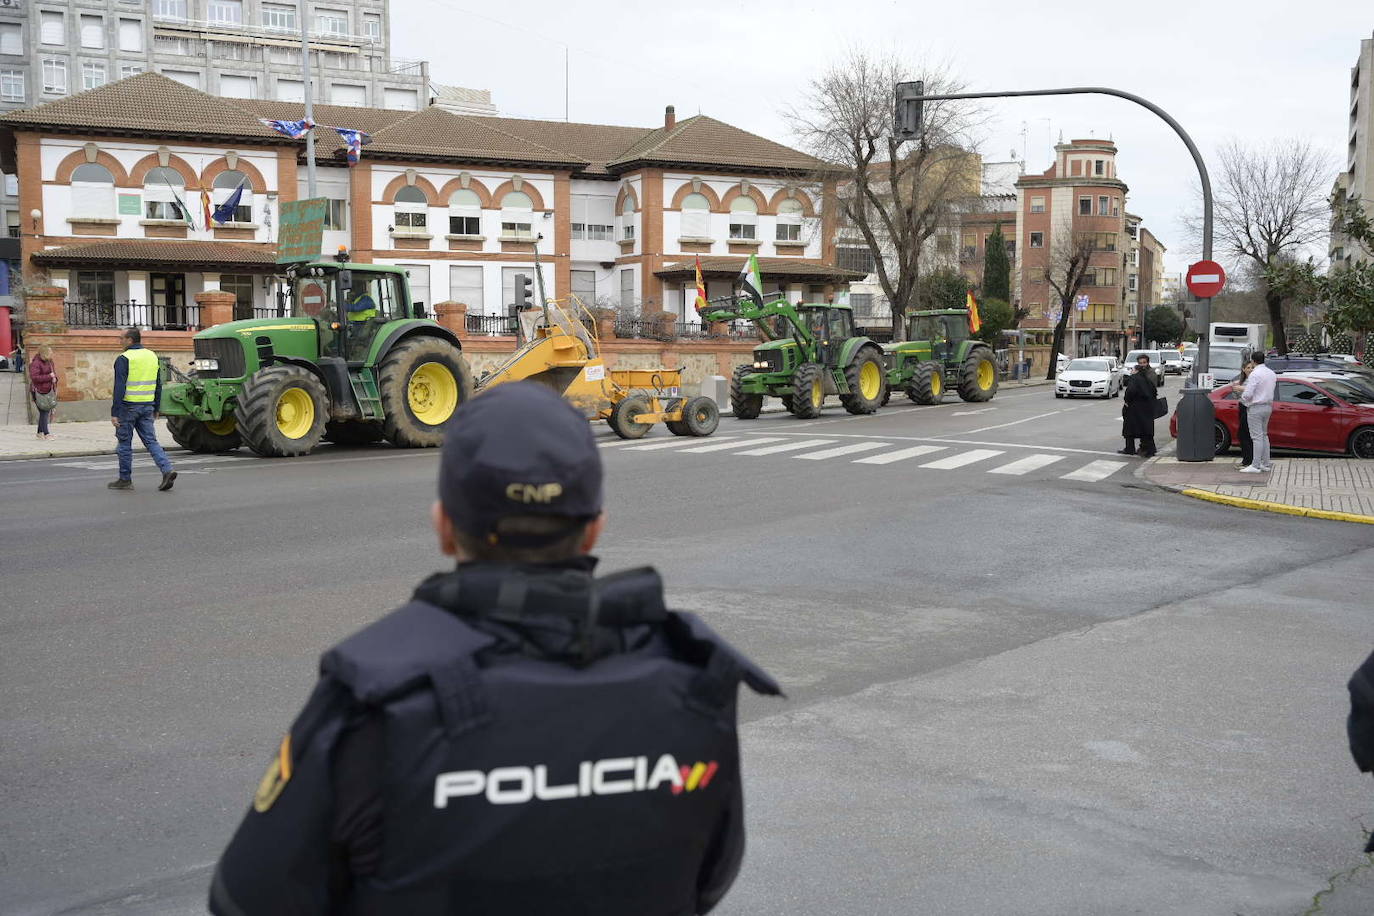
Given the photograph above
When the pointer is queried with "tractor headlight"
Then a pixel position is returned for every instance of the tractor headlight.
(205, 365)
(760, 365)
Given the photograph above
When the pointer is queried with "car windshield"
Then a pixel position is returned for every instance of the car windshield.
(1136, 354)
(1355, 394)
(1088, 365)
(1225, 359)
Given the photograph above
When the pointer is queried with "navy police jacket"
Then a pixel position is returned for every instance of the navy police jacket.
(514, 740)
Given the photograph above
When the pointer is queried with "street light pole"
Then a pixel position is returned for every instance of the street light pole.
(309, 107)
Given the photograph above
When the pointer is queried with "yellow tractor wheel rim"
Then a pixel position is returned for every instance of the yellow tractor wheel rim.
(935, 383)
(870, 380)
(985, 375)
(817, 394)
(432, 393)
(223, 426)
(295, 413)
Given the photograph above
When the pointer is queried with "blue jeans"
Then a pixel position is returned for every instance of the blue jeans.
(137, 418)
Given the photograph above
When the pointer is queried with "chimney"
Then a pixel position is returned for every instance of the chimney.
(669, 117)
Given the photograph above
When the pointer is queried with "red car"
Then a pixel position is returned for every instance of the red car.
(1310, 415)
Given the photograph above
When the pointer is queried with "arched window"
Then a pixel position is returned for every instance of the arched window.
(744, 218)
(696, 216)
(464, 213)
(627, 218)
(164, 191)
(789, 221)
(93, 192)
(226, 184)
(412, 211)
(517, 215)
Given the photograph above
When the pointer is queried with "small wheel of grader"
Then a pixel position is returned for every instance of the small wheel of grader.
(621, 420)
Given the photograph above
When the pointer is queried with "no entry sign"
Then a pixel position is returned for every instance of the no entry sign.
(1205, 279)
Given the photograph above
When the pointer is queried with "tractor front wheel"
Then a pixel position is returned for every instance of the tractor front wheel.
(867, 382)
(978, 375)
(622, 420)
(421, 382)
(927, 384)
(205, 436)
(808, 391)
(281, 411)
(744, 406)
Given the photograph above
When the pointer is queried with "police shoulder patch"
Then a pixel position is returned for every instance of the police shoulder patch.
(275, 779)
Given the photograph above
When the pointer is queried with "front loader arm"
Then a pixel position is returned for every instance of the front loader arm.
(731, 308)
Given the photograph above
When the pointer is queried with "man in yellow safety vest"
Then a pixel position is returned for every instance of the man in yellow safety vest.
(137, 393)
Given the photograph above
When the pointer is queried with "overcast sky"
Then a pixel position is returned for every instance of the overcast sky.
(1253, 70)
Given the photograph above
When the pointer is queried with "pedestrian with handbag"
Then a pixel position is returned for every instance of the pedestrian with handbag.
(1247, 444)
(43, 388)
(1139, 411)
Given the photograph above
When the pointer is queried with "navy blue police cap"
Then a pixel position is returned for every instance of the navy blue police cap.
(518, 450)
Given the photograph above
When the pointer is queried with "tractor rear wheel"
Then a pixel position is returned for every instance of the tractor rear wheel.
(978, 375)
(621, 420)
(744, 406)
(867, 382)
(353, 432)
(927, 384)
(205, 436)
(808, 391)
(421, 382)
(281, 411)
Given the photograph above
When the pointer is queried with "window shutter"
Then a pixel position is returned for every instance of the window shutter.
(92, 32)
(130, 35)
(465, 286)
(696, 223)
(93, 200)
(11, 38)
(54, 29)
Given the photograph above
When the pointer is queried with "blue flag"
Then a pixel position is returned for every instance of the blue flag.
(293, 129)
(225, 212)
(354, 141)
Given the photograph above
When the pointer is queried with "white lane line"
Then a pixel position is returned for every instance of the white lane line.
(961, 459)
(722, 446)
(788, 447)
(1095, 470)
(948, 441)
(900, 455)
(1026, 465)
(843, 450)
(969, 413)
(675, 442)
(983, 429)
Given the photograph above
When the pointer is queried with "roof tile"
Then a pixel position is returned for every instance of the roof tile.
(130, 253)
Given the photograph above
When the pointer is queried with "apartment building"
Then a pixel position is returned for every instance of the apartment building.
(618, 215)
(1357, 180)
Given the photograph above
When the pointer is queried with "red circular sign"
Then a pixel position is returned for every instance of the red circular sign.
(1205, 279)
(312, 298)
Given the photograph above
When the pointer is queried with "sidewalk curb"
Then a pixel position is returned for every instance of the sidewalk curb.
(39, 456)
(1261, 505)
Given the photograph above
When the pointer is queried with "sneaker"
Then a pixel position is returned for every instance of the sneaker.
(120, 484)
(1251, 469)
(167, 480)
(41, 436)
(49, 436)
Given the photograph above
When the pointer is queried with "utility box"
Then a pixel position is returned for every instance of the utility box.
(717, 388)
(1196, 422)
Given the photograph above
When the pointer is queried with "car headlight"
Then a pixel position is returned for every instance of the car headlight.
(205, 365)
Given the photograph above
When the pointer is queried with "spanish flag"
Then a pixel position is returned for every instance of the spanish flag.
(975, 323)
(205, 207)
(702, 304)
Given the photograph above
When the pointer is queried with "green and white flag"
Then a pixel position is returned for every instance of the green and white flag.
(752, 280)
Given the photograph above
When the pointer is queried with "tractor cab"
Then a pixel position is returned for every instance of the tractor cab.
(944, 331)
(348, 303)
(829, 326)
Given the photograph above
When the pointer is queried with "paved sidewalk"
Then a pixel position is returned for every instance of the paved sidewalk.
(89, 437)
(1335, 488)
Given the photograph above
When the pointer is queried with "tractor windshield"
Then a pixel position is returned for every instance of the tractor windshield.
(924, 327)
(956, 328)
(313, 297)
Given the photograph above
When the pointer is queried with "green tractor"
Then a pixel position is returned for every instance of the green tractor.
(938, 355)
(811, 351)
(352, 360)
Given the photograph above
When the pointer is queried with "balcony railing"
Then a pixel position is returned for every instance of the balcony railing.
(251, 29)
(89, 314)
(492, 325)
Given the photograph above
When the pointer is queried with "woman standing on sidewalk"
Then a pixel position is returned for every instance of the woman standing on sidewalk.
(43, 388)
(1247, 445)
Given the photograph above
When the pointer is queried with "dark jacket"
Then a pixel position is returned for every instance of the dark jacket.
(42, 375)
(1138, 413)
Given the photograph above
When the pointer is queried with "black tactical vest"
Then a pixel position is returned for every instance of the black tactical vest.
(588, 774)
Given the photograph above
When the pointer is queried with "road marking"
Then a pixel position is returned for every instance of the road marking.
(105, 464)
(722, 446)
(948, 441)
(900, 455)
(969, 413)
(983, 429)
(961, 459)
(843, 450)
(788, 447)
(1095, 470)
(675, 442)
(1026, 465)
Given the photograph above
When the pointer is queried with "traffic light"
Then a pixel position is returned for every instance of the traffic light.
(906, 118)
(524, 291)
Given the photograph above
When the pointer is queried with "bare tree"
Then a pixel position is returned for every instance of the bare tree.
(894, 194)
(1270, 207)
(1066, 272)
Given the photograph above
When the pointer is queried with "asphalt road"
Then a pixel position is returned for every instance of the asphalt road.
(1020, 679)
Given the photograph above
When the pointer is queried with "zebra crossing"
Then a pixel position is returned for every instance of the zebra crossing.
(877, 452)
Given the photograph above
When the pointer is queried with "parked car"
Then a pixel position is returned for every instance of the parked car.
(1310, 415)
(1298, 363)
(1128, 367)
(1088, 377)
(1361, 383)
(1189, 354)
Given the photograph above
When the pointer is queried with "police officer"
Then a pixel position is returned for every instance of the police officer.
(521, 737)
(133, 407)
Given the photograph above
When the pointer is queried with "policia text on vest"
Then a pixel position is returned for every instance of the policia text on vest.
(520, 737)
